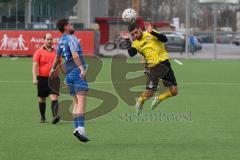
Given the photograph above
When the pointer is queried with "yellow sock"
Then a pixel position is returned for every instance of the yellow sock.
(142, 98)
(165, 95)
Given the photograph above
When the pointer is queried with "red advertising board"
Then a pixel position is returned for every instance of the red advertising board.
(22, 42)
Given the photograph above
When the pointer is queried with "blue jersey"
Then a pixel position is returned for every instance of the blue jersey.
(66, 46)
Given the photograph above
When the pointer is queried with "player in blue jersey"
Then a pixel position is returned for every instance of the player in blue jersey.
(70, 50)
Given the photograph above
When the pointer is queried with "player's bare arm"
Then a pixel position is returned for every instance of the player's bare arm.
(131, 51)
(62, 68)
(125, 35)
(160, 37)
(78, 62)
(55, 64)
(34, 73)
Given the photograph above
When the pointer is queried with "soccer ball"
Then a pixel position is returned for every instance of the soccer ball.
(129, 15)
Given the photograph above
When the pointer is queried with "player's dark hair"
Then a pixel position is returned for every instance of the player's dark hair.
(132, 26)
(61, 24)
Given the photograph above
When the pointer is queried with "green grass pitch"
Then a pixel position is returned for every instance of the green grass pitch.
(210, 89)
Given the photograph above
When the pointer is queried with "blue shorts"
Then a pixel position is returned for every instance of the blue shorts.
(75, 83)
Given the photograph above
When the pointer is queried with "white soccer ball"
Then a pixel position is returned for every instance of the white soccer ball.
(129, 15)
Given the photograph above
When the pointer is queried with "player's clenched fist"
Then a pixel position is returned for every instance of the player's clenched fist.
(148, 27)
(125, 35)
(35, 81)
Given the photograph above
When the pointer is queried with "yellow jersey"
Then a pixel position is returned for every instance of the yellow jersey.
(151, 48)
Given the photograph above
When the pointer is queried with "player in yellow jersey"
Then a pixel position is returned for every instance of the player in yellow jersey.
(150, 44)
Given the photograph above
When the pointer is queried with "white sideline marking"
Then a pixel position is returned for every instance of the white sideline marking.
(15, 81)
(211, 83)
(178, 62)
(185, 83)
(14, 59)
(181, 83)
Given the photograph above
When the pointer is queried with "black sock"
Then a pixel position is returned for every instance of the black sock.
(54, 107)
(42, 109)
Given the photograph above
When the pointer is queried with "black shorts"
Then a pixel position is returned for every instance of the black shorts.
(47, 86)
(163, 71)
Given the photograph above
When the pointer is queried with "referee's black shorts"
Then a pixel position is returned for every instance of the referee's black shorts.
(163, 71)
(47, 86)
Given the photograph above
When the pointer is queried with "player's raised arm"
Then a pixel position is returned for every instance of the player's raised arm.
(132, 51)
(160, 37)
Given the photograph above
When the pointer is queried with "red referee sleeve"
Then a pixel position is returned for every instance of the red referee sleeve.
(36, 57)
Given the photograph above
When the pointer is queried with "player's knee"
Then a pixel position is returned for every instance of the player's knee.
(82, 94)
(174, 91)
(42, 100)
(54, 97)
(149, 94)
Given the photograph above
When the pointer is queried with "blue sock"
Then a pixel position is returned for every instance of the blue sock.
(75, 123)
(79, 121)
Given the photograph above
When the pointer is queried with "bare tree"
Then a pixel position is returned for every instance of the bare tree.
(201, 16)
(117, 6)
